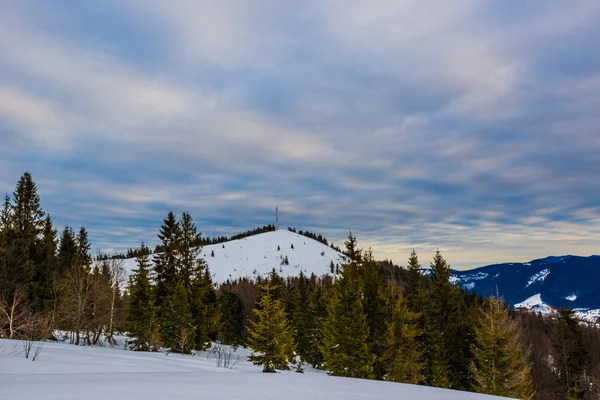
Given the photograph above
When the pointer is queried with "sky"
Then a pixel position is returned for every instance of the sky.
(472, 126)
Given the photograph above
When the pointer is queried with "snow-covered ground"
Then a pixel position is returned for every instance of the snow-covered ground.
(64, 372)
(535, 303)
(258, 255)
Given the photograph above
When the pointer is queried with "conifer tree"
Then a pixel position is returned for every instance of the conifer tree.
(84, 258)
(403, 357)
(141, 318)
(305, 323)
(44, 270)
(270, 335)
(500, 366)
(414, 288)
(345, 332)
(67, 251)
(437, 313)
(179, 328)
(165, 271)
(375, 292)
(231, 318)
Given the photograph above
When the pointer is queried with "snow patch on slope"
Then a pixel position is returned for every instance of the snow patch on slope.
(539, 277)
(571, 297)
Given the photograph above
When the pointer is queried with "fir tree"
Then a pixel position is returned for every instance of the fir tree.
(500, 366)
(345, 332)
(141, 319)
(270, 336)
(414, 288)
(403, 357)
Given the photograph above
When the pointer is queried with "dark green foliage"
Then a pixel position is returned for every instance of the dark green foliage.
(402, 360)
(270, 335)
(305, 323)
(231, 318)
(83, 248)
(44, 271)
(345, 332)
(437, 313)
(374, 295)
(141, 319)
(500, 365)
(68, 250)
(178, 322)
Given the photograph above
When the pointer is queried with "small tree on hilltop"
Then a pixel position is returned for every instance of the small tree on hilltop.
(270, 336)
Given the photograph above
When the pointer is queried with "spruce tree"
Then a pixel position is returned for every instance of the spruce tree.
(414, 287)
(500, 367)
(141, 319)
(345, 332)
(231, 318)
(44, 271)
(437, 313)
(270, 335)
(402, 358)
(305, 323)
(165, 271)
(67, 251)
(375, 292)
(179, 328)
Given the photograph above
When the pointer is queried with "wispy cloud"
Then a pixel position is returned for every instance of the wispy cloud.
(464, 125)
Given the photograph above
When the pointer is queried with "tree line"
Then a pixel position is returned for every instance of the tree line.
(369, 319)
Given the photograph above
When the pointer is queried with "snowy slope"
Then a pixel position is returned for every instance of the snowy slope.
(258, 255)
(65, 372)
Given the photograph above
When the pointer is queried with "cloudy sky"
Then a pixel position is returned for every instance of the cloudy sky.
(468, 125)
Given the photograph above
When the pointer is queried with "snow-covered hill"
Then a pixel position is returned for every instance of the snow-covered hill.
(65, 372)
(259, 254)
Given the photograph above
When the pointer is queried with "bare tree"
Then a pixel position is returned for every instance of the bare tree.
(14, 314)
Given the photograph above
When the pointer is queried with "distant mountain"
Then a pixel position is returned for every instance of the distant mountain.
(287, 252)
(541, 285)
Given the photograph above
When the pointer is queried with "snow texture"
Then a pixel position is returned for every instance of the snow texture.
(535, 303)
(258, 255)
(539, 277)
(67, 372)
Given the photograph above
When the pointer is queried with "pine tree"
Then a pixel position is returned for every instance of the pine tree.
(403, 357)
(345, 332)
(270, 336)
(500, 366)
(179, 327)
(141, 319)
